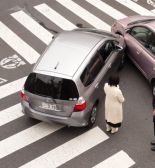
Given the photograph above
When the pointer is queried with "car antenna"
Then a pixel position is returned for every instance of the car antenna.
(56, 65)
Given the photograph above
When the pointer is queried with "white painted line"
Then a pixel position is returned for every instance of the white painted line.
(3, 80)
(12, 87)
(55, 17)
(10, 114)
(135, 7)
(153, 10)
(107, 9)
(33, 26)
(84, 14)
(69, 150)
(26, 137)
(118, 160)
(20, 46)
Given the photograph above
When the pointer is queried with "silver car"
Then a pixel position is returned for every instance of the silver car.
(65, 83)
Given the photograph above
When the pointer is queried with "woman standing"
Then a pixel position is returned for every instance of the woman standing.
(113, 104)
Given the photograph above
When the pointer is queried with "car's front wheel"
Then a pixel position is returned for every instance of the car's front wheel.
(93, 114)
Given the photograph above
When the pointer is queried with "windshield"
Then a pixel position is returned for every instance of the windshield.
(49, 86)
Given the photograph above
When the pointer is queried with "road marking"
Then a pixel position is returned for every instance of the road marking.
(106, 8)
(20, 46)
(3, 80)
(11, 62)
(55, 17)
(84, 14)
(26, 137)
(120, 160)
(33, 26)
(135, 7)
(12, 87)
(69, 150)
(10, 114)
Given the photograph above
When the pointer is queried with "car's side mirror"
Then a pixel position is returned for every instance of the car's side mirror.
(128, 31)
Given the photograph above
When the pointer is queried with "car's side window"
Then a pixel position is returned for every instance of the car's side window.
(93, 68)
(107, 49)
(145, 37)
(142, 34)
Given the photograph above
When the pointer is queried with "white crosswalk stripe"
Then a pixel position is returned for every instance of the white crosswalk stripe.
(135, 7)
(84, 14)
(82, 143)
(153, 10)
(120, 159)
(33, 26)
(10, 114)
(69, 150)
(106, 8)
(55, 17)
(26, 137)
(26, 51)
(12, 87)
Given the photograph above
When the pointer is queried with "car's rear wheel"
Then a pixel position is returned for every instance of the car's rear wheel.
(92, 117)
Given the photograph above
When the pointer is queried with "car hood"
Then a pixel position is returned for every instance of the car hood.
(127, 21)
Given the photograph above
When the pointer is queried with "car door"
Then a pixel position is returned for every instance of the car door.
(112, 58)
(138, 48)
(104, 62)
(91, 77)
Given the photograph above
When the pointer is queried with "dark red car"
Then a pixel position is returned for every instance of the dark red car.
(139, 35)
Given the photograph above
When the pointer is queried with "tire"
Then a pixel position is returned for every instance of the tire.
(92, 117)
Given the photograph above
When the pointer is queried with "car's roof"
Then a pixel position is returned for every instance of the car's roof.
(67, 52)
(151, 25)
(137, 19)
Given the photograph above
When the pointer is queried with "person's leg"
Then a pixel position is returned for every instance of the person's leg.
(154, 126)
(153, 141)
(108, 127)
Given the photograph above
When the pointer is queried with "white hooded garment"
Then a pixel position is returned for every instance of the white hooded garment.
(113, 104)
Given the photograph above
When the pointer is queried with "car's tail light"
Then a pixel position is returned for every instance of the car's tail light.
(23, 96)
(81, 105)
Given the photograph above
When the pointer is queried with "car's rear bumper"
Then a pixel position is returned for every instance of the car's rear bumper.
(77, 119)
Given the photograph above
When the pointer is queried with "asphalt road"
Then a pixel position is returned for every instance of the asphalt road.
(137, 130)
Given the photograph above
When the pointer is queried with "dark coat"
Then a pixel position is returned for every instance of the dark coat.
(153, 103)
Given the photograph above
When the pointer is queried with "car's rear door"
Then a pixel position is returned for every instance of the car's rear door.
(51, 95)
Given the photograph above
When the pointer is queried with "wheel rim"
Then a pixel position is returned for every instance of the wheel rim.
(93, 114)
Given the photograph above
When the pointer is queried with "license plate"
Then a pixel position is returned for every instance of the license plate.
(49, 106)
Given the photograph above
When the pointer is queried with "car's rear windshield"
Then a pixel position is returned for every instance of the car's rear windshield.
(49, 86)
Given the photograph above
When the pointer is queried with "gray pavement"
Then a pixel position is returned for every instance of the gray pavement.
(133, 138)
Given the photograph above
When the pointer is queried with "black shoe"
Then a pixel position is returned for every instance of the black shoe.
(153, 142)
(153, 148)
